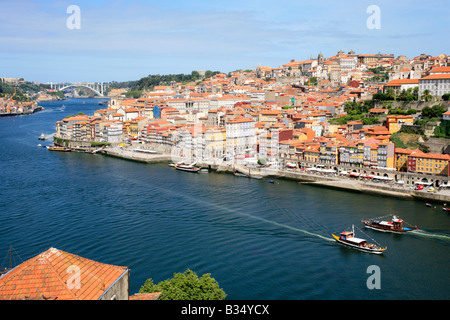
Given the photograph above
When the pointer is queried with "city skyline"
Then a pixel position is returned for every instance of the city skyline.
(122, 41)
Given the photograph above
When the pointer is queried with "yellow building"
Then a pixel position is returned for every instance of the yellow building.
(437, 164)
(312, 153)
(215, 142)
(421, 162)
(270, 116)
(401, 159)
(395, 122)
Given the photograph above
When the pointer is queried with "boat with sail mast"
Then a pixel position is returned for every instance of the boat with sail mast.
(12, 262)
(394, 226)
(347, 238)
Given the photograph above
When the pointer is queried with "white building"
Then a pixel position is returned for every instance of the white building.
(240, 135)
(438, 82)
(113, 132)
(347, 63)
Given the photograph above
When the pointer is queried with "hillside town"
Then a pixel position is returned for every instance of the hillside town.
(302, 110)
(11, 107)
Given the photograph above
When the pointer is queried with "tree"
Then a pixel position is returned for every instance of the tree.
(446, 97)
(380, 96)
(435, 111)
(426, 96)
(186, 286)
(390, 93)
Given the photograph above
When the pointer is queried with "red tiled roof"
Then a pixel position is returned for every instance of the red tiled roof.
(436, 76)
(398, 82)
(53, 274)
(145, 296)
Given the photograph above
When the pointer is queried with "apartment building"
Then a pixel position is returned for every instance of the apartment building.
(435, 164)
(437, 82)
(214, 140)
(241, 135)
(395, 122)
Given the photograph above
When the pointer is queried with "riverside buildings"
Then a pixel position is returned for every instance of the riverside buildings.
(281, 114)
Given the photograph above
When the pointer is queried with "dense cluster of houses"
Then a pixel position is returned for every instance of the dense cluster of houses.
(9, 106)
(274, 113)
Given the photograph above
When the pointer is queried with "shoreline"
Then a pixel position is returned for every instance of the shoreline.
(35, 110)
(330, 182)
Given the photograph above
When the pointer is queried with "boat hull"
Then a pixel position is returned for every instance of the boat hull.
(357, 247)
(59, 149)
(188, 169)
(384, 228)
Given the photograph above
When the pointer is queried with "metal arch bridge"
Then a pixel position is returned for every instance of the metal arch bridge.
(97, 87)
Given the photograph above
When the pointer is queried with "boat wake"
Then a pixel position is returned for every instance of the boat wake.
(281, 225)
(423, 233)
(244, 214)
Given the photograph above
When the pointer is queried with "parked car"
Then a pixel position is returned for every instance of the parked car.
(419, 187)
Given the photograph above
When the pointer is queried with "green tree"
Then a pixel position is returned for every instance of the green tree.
(390, 93)
(380, 96)
(435, 111)
(426, 96)
(186, 286)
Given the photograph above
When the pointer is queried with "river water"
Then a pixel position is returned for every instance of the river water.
(258, 240)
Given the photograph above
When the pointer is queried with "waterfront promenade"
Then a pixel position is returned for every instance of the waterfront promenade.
(128, 153)
(318, 179)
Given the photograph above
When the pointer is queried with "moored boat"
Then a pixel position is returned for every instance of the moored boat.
(395, 225)
(56, 148)
(42, 137)
(189, 168)
(348, 239)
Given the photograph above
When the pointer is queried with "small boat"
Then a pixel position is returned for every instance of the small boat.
(271, 181)
(56, 148)
(446, 209)
(189, 168)
(428, 205)
(42, 137)
(348, 239)
(394, 226)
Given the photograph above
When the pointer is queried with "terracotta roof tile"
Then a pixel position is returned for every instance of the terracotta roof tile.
(49, 275)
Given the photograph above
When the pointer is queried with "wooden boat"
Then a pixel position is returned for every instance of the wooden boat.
(394, 226)
(56, 148)
(347, 238)
(189, 168)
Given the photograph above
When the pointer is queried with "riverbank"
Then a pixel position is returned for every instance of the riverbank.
(333, 182)
(364, 186)
(127, 154)
(24, 113)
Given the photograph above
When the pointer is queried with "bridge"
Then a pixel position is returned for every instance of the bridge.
(98, 88)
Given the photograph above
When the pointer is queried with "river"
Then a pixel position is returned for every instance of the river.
(257, 239)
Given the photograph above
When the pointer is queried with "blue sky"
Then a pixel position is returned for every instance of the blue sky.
(127, 40)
